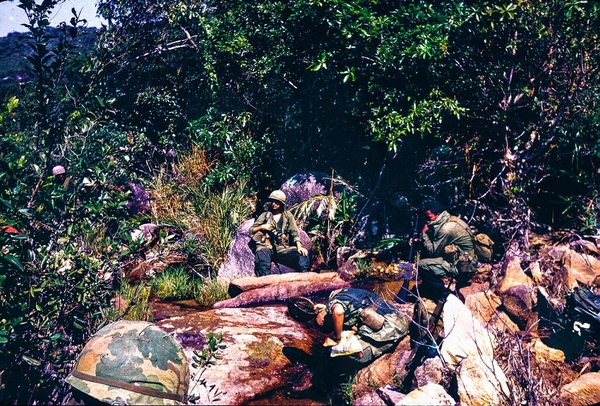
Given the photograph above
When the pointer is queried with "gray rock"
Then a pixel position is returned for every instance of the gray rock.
(303, 186)
(390, 395)
(139, 200)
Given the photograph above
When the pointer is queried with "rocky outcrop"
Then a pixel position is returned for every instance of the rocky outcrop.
(481, 382)
(430, 394)
(485, 306)
(517, 293)
(383, 370)
(306, 185)
(465, 335)
(469, 370)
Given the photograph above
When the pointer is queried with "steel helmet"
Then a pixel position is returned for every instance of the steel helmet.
(278, 196)
(58, 170)
(132, 362)
(301, 308)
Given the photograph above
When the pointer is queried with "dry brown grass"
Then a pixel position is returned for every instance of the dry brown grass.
(532, 381)
(182, 200)
(192, 168)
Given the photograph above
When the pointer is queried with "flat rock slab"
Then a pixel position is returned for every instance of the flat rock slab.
(253, 363)
(272, 288)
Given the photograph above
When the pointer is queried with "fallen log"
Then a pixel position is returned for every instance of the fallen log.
(240, 285)
(281, 291)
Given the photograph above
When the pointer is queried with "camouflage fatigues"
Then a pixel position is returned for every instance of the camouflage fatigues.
(374, 342)
(284, 251)
(133, 363)
(448, 252)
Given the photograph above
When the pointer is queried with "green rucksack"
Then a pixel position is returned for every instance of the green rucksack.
(482, 243)
(484, 247)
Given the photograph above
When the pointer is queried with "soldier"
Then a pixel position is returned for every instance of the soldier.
(448, 251)
(363, 327)
(378, 325)
(275, 237)
(130, 363)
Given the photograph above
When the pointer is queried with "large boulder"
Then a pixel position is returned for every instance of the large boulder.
(518, 294)
(240, 259)
(584, 391)
(304, 186)
(253, 363)
(481, 382)
(485, 306)
(465, 336)
(583, 268)
(381, 371)
(430, 394)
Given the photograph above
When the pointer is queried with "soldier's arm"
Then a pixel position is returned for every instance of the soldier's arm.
(337, 315)
(260, 224)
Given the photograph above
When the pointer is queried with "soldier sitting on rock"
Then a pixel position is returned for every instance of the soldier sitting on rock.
(275, 238)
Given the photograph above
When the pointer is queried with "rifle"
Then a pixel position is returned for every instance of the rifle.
(426, 341)
(403, 292)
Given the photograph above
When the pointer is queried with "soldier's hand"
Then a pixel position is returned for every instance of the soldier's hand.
(303, 251)
(412, 241)
(330, 342)
(267, 226)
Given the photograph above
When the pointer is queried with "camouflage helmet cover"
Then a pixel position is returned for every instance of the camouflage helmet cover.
(277, 195)
(132, 362)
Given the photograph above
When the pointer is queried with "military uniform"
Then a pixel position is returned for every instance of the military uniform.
(376, 339)
(448, 247)
(279, 245)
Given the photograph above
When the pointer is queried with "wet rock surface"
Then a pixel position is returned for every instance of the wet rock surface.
(253, 363)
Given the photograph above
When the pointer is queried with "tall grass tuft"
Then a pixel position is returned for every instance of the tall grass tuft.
(137, 299)
(221, 214)
(174, 283)
(210, 291)
(212, 217)
(178, 283)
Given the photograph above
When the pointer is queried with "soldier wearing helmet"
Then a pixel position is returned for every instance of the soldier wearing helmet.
(275, 238)
(130, 363)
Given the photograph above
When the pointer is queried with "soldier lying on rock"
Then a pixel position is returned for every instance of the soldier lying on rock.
(362, 326)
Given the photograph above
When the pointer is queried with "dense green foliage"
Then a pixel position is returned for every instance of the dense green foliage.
(490, 107)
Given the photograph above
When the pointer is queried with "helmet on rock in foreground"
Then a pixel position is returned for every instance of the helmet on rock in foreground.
(132, 362)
